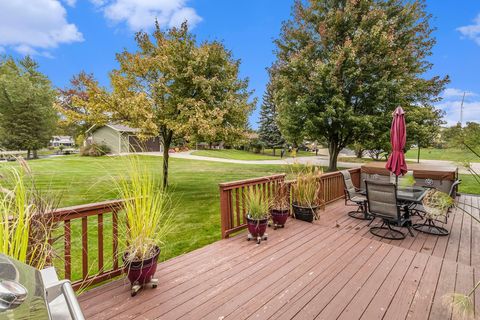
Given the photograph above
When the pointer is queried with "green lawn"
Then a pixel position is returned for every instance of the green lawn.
(247, 155)
(194, 185)
(450, 154)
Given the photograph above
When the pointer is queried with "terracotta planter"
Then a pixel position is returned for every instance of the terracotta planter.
(279, 217)
(304, 213)
(141, 272)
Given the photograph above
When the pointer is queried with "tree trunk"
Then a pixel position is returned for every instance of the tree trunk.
(167, 140)
(28, 154)
(35, 154)
(418, 154)
(333, 151)
(359, 153)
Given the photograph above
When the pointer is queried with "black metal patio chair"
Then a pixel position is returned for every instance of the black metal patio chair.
(354, 198)
(431, 219)
(382, 203)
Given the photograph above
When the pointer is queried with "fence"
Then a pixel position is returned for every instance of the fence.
(233, 195)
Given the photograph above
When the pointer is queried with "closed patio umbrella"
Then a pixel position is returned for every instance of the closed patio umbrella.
(398, 137)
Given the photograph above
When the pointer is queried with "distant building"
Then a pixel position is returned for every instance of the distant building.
(121, 139)
(64, 141)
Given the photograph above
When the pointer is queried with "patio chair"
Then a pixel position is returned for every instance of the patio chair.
(429, 225)
(354, 198)
(383, 204)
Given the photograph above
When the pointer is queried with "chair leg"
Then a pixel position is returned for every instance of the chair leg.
(360, 213)
(385, 231)
(410, 231)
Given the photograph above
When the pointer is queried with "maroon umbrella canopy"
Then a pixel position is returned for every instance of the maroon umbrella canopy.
(398, 137)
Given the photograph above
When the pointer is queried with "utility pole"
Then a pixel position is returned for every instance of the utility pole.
(461, 110)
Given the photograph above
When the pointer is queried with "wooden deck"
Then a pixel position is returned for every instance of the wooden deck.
(332, 269)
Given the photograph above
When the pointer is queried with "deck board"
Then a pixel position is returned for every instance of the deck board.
(331, 269)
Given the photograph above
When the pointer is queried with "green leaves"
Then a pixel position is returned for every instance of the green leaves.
(28, 117)
(341, 62)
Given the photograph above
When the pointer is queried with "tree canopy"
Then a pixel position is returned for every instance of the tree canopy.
(173, 87)
(27, 115)
(341, 64)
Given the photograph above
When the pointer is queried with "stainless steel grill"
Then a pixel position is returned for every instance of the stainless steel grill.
(28, 293)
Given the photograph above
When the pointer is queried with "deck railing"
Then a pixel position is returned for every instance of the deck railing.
(90, 274)
(233, 194)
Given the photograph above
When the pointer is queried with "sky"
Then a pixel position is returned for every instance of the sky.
(69, 36)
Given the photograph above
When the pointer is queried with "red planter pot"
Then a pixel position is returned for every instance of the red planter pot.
(279, 217)
(141, 272)
(257, 228)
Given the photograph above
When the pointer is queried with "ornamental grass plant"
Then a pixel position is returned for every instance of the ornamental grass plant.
(26, 218)
(257, 206)
(148, 209)
(307, 187)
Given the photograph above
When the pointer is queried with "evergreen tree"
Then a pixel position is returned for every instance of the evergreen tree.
(268, 131)
(27, 115)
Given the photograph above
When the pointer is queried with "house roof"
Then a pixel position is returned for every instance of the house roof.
(114, 126)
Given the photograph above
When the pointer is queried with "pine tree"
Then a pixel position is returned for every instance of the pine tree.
(27, 115)
(268, 131)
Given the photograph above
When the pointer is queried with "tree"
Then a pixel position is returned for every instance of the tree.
(76, 118)
(27, 115)
(423, 126)
(173, 87)
(463, 137)
(423, 129)
(268, 130)
(339, 62)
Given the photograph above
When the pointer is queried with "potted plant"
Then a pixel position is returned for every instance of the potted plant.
(257, 208)
(280, 209)
(305, 195)
(148, 212)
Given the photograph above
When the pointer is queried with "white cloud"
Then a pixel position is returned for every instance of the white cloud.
(141, 14)
(452, 105)
(71, 3)
(34, 27)
(472, 31)
(455, 93)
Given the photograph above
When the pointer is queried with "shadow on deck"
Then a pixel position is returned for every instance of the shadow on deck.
(332, 269)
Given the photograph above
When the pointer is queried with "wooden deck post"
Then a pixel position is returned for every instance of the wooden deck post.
(225, 211)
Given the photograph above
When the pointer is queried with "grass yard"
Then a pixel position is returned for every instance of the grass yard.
(194, 184)
(451, 154)
(247, 155)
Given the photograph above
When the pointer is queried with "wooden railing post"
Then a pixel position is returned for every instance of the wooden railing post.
(225, 209)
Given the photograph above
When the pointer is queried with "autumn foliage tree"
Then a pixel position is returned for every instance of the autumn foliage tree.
(174, 87)
(341, 63)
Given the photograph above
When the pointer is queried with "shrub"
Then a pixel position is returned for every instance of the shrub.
(95, 150)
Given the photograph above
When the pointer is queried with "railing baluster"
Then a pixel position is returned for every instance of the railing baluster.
(244, 211)
(67, 246)
(85, 247)
(237, 206)
(115, 238)
(100, 242)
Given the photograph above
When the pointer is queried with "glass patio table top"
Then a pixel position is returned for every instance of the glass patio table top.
(412, 194)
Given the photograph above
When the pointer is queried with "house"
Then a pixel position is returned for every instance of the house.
(121, 139)
(65, 141)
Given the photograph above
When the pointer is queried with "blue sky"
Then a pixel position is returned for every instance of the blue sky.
(68, 36)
